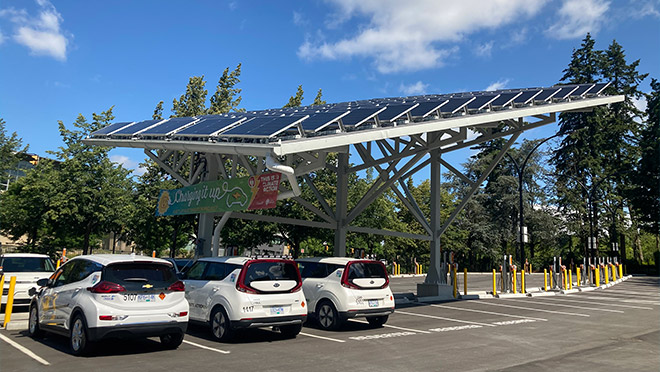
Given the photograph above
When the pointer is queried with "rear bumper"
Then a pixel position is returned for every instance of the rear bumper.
(365, 312)
(137, 330)
(269, 322)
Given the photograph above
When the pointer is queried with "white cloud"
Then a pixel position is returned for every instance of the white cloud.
(405, 35)
(646, 9)
(577, 17)
(500, 84)
(128, 163)
(41, 34)
(299, 19)
(414, 89)
(484, 50)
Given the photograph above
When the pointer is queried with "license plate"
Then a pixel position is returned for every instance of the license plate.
(134, 297)
(373, 303)
(276, 310)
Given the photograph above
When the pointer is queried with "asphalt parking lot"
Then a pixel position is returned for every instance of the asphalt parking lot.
(608, 329)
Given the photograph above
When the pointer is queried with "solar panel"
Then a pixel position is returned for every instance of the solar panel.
(546, 94)
(427, 108)
(597, 88)
(209, 126)
(480, 102)
(455, 104)
(263, 127)
(320, 120)
(167, 127)
(564, 92)
(394, 112)
(133, 129)
(527, 96)
(581, 90)
(359, 116)
(111, 128)
(505, 99)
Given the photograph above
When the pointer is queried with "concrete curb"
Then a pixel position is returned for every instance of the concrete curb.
(511, 295)
(569, 291)
(18, 322)
(542, 294)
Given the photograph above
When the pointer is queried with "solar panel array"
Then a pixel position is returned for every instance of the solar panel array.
(290, 123)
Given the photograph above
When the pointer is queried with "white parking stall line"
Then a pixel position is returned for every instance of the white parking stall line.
(443, 318)
(619, 299)
(602, 303)
(321, 337)
(24, 350)
(391, 326)
(534, 309)
(489, 312)
(206, 347)
(623, 291)
(549, 303)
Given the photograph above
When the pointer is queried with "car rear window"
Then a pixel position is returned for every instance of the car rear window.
(140, 276)
(271, 270)
(366, 270)
(26, 264)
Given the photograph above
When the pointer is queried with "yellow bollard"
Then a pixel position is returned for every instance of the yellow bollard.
(10, 300)
(597, 275)
(465, 281)
(613, 272)
(570, 279)
(578, 276)
(2, 286)
(563, 272)
(552, 280)
(545, 279)
(494, 283)
(514, 281)
(530, 268)
(59, 262)
(455, 283)
(620, 271)
(606, 271)
(522, 281)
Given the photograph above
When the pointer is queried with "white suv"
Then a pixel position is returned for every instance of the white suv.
(230, 293)
(111, 296)
(27, 268)
(339, 288)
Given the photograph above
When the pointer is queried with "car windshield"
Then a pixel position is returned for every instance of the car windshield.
(183, 264)
(271, 270)
(140, 276)
(26, 264)
(366, 270)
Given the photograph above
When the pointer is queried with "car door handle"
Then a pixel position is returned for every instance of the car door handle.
(214, 290)
(319, 286)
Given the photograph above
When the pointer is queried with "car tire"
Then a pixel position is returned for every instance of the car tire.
(377, 321)
(327, 316)
(78, 340)
(171, 341)
(220, 325)
(290, 331)
(33, 323)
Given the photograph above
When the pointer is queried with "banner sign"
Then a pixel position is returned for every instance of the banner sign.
(248, 193)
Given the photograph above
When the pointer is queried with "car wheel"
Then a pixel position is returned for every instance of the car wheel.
(33, 323)
(220, 326)
(377, 321)
(290, 331)
(171, 340)
(327, 316)
(78, 336)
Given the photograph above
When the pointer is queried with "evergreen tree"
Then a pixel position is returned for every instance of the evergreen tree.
(158, 112)
(193, 101)
(10, 146)
(318, 100)
(226, 97)
(296, 101)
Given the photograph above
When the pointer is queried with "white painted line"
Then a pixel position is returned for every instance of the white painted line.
(623, 291)
(489, 312)
(626, 300)
(443, 318)
(206, 347)
(321, 337)
(601, 303)
(549, 303)
(391, 326)
(24, 350)
(534, 309)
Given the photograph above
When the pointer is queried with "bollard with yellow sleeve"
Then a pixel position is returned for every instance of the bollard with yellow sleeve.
(578, 276)
(545, 279)
(597, 277)
(570, 279)
(620, 271)
(522, 281)
(514, 280)
(2, 286)
(494, 283)
(59, 262)
(455, 283)
(552, 280)
(606, 271)
(465, 281)
(613, 272)
(10, 301)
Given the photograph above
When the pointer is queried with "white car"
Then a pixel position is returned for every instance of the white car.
(231, 293)
(27, 268)
(101, 296)
(340, 288)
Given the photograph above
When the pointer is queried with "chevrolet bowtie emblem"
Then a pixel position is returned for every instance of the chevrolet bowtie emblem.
(147, 286)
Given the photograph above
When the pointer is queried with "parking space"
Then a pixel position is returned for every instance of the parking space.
(486, 334)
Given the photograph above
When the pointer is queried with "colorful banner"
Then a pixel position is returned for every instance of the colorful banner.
(248, 193)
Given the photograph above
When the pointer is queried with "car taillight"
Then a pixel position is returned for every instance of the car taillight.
(178, 286)
(106, 287)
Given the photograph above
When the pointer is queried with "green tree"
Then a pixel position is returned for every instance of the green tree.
(10, 146)
(158, 112)
(193, 101)
(318, 100)
(296, 100)
(227, 97)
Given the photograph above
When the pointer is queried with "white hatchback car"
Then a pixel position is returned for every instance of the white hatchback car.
(27, 268)
(231, 293)
(111, 296)
(340, 288)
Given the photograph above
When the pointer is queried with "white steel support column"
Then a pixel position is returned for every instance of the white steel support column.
(341, 205)
(205, 226)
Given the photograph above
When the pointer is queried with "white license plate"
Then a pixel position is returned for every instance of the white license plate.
(275, 310)
(373, 303)
(134, 297)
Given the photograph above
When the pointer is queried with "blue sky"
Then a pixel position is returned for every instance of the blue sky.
(62, 58)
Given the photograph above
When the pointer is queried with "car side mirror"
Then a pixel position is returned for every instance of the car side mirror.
(45, 282)
(32, 291)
